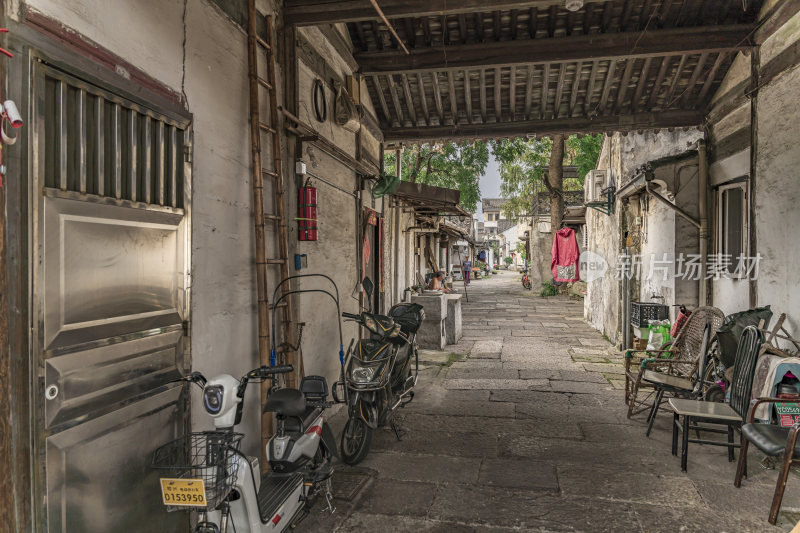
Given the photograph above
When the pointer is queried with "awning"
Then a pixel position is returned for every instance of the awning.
(429, 200)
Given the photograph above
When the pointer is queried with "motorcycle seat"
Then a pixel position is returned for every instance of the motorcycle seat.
(286, 402)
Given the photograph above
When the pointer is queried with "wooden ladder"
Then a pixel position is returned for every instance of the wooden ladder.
(269, 126)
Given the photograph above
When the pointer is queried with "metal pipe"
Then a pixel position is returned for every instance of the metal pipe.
(626, 300)
(672, 206)
(702, 160)
(389, 25)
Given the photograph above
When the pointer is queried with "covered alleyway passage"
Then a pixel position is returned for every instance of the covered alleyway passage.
(527, 431)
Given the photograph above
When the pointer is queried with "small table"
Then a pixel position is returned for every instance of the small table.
(708, 412)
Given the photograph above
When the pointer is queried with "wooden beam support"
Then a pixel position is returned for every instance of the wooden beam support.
(545, 90)
(498, 94)
(453, 102)
(462, 28)
(559, 90)
(552, 19)
(701, 62)
(656, 90)
(587, 101)
(533, 22)
(423, 100)
(497, 26)
(395, 98)
(575, 85)
(529, 92)
(701, 99)
(409, 100)
(314, 12)
(587, 18)
(676, 79)
(483, 94)
(437, 97)
(679, 41)
(623, 85)
(514, 22)
(468, 96)
(378, 89)
(512, 93)
(643, 74)
(612, 66)
(625, 122)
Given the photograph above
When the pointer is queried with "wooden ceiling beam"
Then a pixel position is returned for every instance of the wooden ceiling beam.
(437, 97)
(498, 94)
(468, 96)
(453, 102)
(662, 72)
(378, 89)
(533, 16)
(314, 12)
(559, 90)
(529, 92)
(587, 101)
(395, 98)
(483, 94)
(412, 111)
(612, 67)
(576, 82)
(721, 57)
(512, 93)
(678, 41)
(545, 90)
(676, 80)
(698, 69)
(624, 122)
(637, 96)
(623, 85)
(423, 99)
(479, 27)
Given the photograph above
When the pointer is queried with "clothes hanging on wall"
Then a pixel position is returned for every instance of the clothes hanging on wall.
(564, 265)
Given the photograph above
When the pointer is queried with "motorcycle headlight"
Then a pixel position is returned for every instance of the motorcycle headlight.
(362, 374)
(371, 324)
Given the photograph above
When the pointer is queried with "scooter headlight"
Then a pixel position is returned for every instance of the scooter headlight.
(213, 396)
(362, 374)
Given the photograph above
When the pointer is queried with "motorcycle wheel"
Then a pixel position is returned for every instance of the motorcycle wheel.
(356, 448)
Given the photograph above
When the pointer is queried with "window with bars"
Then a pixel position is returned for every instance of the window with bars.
(98, 143)
(732, 207)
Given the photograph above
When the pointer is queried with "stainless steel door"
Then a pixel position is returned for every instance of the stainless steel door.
(110, 291)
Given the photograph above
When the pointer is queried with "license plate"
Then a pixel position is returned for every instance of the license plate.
(186, 492)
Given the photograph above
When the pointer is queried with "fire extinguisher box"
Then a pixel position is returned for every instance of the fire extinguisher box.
(307, 213)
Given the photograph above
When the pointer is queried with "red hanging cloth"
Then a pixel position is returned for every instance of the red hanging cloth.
(564, 265)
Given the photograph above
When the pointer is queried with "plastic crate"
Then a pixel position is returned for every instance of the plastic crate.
(642, 313)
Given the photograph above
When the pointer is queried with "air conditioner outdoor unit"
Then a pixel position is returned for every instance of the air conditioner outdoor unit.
(597, 182)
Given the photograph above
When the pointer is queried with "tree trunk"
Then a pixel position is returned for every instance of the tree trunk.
(555, 182)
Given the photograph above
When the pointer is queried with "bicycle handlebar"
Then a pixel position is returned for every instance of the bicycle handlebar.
(351, 315)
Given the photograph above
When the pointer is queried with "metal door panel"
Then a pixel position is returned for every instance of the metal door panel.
(93, 380)
(109, 271)
(98, 473)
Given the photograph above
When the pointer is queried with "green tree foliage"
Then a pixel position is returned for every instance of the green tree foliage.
(523, 163)
(522, 250)
(452, 165)
(584, 152)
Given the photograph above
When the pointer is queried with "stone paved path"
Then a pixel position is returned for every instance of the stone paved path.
(527, 431)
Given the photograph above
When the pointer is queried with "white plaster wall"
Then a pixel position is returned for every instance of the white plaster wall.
(150, 36)
(776, 197)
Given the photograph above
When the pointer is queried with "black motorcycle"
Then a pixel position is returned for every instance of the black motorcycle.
(378, 374)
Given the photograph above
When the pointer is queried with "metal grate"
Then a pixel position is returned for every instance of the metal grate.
(98, 143)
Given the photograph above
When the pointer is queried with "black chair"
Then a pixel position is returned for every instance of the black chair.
(732, 415)
(677, 386)
(773, 441)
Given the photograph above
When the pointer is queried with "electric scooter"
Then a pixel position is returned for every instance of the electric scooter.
(207, 472)
(379, 376)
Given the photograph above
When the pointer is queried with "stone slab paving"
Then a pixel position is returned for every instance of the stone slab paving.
(527, 431)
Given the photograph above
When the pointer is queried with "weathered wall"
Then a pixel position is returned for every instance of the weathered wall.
(777, 193)
(621, 154)
(213, 77)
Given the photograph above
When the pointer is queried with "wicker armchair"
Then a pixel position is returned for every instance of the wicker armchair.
(679, 359)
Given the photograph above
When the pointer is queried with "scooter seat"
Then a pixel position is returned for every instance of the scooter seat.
(287, 402)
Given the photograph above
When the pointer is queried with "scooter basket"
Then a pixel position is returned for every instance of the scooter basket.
(409, 316)
(209, 456)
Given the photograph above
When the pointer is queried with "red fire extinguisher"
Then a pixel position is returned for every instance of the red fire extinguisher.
(307, 219)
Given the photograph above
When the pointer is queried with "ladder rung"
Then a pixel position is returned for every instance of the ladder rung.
(266, 127)
(264, 83)
(272, 217)
(263, 43)
(282, 304)
(276, 261)
(269, 172)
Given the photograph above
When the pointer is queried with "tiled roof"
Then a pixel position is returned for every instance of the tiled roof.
(493, 203)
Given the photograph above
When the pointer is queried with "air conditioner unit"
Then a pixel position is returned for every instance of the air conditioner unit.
(597, 182)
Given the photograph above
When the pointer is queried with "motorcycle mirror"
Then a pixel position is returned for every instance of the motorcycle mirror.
(368, 286)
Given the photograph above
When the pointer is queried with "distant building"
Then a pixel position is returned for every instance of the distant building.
(492, 214)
